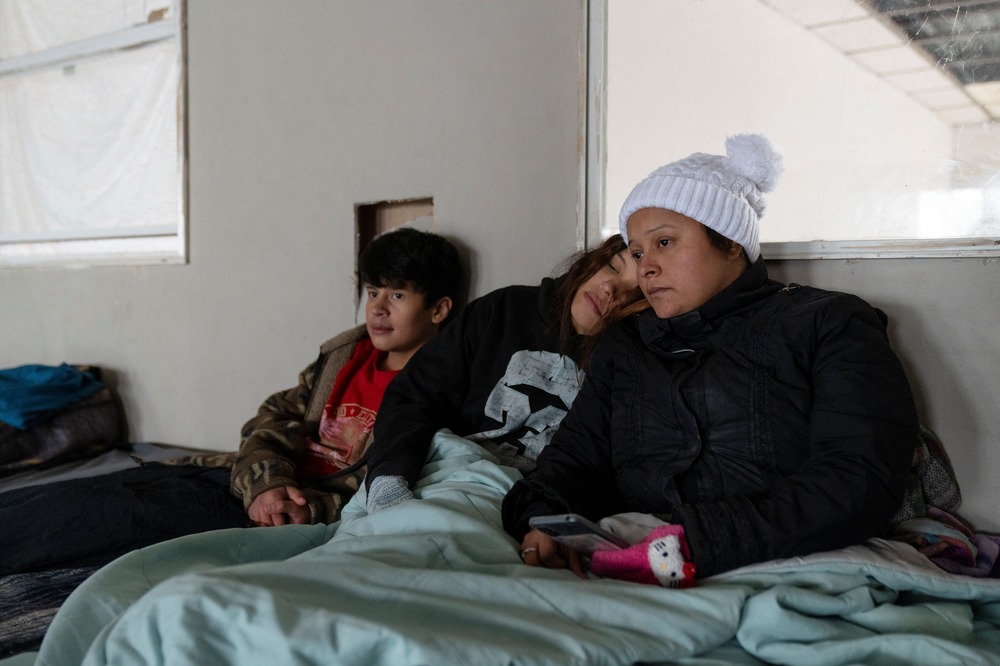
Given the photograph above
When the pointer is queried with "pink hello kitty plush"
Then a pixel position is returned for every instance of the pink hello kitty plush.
(662, 558)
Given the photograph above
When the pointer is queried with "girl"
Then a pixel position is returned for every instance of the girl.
(504, 373)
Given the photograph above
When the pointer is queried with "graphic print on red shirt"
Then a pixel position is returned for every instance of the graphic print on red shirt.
(350, 412)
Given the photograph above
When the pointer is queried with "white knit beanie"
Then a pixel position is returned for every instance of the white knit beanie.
(723, 193)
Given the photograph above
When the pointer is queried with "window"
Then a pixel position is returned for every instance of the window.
(887, 113)
(92, 167)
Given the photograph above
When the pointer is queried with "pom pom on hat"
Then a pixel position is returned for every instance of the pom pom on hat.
(725, 193)
(753, 157)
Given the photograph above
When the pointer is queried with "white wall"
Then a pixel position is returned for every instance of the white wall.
(297, 112)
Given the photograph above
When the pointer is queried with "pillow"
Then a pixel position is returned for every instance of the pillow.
(82, 429)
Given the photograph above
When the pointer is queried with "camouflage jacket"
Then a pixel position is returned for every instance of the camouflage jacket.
(273, 441)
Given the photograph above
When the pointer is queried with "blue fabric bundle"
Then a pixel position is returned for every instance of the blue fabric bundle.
(29, 394)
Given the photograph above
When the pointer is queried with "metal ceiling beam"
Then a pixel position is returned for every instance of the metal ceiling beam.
(933, 8)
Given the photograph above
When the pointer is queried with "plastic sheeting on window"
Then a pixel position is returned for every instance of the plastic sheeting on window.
(34, 25)
(91, 150)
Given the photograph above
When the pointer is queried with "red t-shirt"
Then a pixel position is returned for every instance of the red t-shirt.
(350, 412)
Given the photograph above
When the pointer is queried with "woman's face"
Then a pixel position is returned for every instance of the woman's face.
(678, 268)
(603, 289)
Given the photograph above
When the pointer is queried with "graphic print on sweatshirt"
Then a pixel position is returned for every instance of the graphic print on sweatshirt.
(530, 400)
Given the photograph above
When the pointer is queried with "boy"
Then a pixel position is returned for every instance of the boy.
(300, 458)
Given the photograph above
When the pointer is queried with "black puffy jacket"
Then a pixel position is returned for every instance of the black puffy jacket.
(772, 421)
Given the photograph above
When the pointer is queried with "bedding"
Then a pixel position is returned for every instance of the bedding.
(28, 601)
(438, 581)
(91, 521)
(128, 457)
(61, 521)
(53, 414)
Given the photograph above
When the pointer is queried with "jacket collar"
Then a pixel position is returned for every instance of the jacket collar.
(746, 290)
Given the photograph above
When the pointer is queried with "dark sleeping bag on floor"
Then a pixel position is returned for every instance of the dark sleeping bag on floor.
(91, 521)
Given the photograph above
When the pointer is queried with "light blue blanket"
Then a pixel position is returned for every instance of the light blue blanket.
(438, 581)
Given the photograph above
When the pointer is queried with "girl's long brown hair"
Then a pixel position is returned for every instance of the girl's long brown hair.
(583, 267)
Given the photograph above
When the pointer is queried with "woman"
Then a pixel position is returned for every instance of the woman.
(736, 420)
(504, 373)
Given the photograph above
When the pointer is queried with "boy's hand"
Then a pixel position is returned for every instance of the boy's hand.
(280, 506)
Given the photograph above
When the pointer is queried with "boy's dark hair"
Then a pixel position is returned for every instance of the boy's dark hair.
(420, 260)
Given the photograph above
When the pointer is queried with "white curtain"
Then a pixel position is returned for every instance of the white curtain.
(89, 148)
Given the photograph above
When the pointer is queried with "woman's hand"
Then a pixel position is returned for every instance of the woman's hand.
(540, 550)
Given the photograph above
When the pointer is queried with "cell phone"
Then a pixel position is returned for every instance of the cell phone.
(578, 533)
